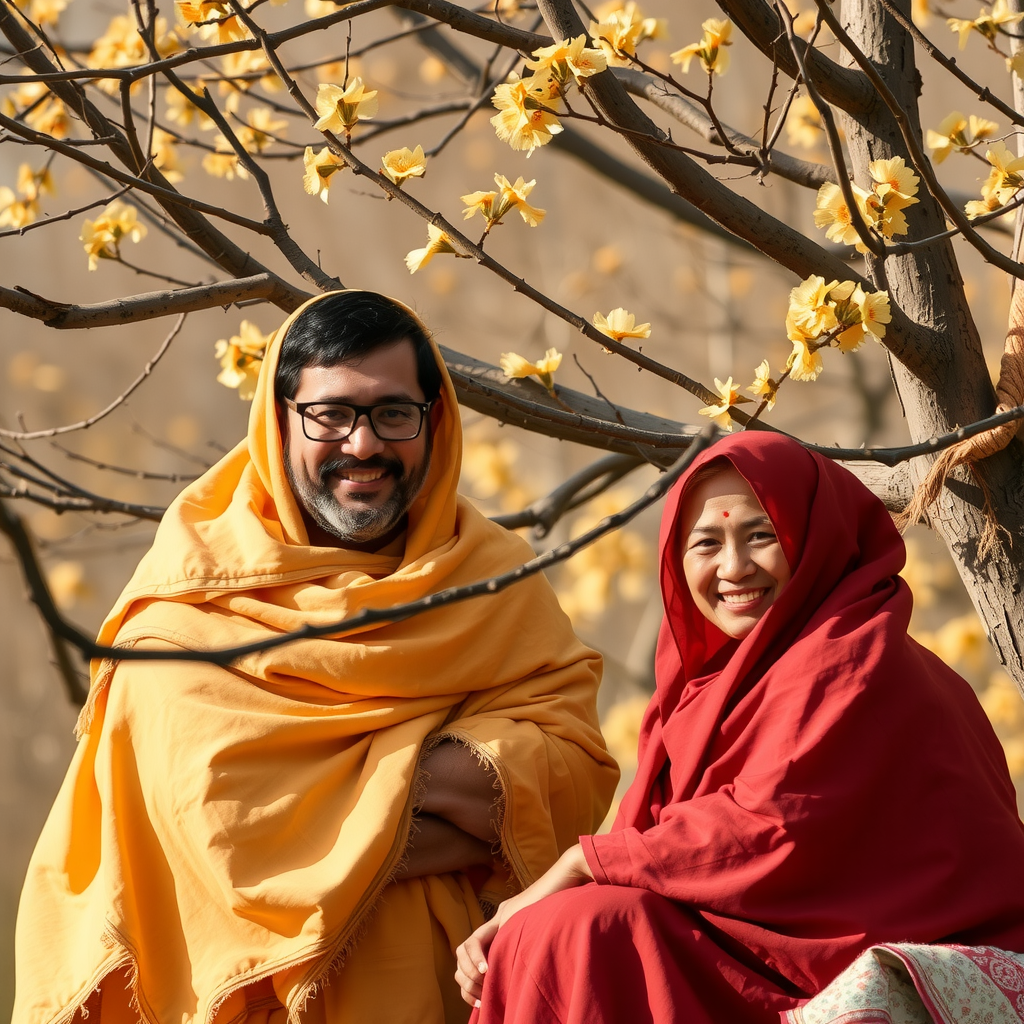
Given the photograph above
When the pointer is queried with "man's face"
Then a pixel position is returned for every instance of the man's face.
(357, 491)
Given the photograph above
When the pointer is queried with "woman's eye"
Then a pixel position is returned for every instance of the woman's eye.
(703, 544)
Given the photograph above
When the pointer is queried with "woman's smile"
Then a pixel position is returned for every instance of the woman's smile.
(733, 563)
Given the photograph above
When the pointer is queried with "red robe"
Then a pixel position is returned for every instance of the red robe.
(819, 786)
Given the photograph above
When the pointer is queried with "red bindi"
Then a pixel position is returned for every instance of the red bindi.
(725, 515)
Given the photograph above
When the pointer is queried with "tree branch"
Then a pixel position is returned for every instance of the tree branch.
(32, 435)
(840, 86)
(373, 616)
(144, 306)
(13, 528)
(803, 172)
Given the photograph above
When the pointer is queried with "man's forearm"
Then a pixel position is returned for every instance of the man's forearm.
(461, 790)
(437, 846)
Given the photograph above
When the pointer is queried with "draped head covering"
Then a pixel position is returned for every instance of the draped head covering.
(824, 782)
(225, 833)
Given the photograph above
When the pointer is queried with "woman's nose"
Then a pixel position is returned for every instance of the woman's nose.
(736, 562)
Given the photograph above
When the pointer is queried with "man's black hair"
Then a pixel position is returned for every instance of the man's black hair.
(346, 327)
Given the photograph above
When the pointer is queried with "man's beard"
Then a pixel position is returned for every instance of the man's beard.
(350, 523)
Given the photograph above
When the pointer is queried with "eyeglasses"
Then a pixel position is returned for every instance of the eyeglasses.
(331, 421)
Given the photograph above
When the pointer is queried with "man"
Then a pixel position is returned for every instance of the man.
(310, 833)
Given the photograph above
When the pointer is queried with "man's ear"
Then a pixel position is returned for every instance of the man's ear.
(282, 419)
(436, 413)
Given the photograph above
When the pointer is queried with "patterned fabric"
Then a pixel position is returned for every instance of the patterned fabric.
(911, 984)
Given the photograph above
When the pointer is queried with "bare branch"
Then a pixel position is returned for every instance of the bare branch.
(145, 306)
(31, 435)
(840, 86)
(13, 528)
(950, 64)
(372, 616)
(803, 172)
(580, 488)
(471, 24)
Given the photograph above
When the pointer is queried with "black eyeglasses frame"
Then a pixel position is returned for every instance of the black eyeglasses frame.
(359, 410)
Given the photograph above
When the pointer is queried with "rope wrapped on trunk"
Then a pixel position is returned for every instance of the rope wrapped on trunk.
(1010, 394)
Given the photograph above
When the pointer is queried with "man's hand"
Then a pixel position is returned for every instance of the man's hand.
(571, 869)
(437, 846)
(460, 789)
(454, 825)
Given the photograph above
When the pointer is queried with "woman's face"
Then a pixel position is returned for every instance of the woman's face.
(732, 560)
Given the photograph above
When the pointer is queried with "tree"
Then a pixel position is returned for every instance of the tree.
(123, 107)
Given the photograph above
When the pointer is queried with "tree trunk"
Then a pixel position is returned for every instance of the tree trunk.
(948, 385)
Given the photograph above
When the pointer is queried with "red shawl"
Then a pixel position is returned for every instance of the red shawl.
(825, 783)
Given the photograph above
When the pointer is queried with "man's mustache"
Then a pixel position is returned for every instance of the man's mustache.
(342, 462)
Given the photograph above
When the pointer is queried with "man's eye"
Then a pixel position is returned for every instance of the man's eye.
(331, 414)
(394, 414)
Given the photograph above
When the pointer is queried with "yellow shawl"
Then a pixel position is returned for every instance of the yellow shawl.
(223, 837)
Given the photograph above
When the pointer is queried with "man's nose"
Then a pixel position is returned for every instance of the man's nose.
(362, 442)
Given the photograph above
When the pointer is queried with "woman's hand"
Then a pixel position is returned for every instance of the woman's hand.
(571, 869)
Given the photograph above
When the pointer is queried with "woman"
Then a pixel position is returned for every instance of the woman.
(811, 781)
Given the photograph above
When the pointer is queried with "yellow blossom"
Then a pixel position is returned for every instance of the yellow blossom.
(182, 111)
(810, 313)
(341, 109)
(804, 361)
(920, 11)
(980, 207)
(320, 169)
(831, 212)
(619, 324)
(41, 110)
(988, 23)
(240, 358)
(1005, 178)
(861, 313)
(803, 123)
(121, 46)
(401, 164)
(522, 119)
(618, 29)
(224, 163)
(42, 12)
(68, 584)
(568, 58)
(514, 365)
(1002, 701)
(764, 387)
(102, 236)
(260, 129)
(650, 28)
(962, 641)
(494, 205)
(165, 155)
(621, 729)
(730, 396)
(487, 466)
(1015, 64)
(238, 69)
(438, 242)
(33, 184)
(212, 19)
(714, 58)
(958, 132)
(14, 212)
(320, 8)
